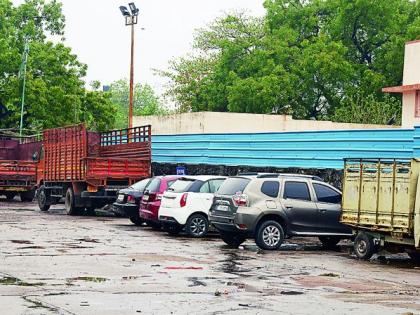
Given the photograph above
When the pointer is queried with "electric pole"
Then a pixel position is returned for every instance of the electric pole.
(22, 73)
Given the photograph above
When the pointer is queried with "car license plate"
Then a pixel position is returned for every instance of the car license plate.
(222, 208)
(145, 197)
(120, 198)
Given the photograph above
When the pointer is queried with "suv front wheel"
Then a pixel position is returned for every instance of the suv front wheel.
(270, 235)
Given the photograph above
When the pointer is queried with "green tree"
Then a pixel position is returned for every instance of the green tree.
(55, 91)
(308, 58)
(146, 102)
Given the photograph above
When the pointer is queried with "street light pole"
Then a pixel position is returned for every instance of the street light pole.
(131, 105)
(131, 19)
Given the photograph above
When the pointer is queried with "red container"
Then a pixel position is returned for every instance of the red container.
(87, 168)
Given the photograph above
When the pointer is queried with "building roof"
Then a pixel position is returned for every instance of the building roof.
(402, 88)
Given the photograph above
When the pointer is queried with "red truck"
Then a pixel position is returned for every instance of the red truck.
(17, 167)
(86, 169)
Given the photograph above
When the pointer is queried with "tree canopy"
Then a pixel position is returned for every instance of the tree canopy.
(55, 90)
(310, 58)
(146, 102)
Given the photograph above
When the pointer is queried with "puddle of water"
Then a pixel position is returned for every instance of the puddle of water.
(88, 240)
(32, 247)
(88, 279)
(18, 282)
(21, 242)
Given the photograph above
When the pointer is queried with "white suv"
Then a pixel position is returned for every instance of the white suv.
(187, 203)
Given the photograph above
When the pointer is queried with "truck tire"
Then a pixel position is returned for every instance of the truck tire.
(364, 247)
(43, 199)
(27, 196)
(10, 196)
(232, 240)
(69, 203)
(270, 235)
(197, 226)
(329, 242)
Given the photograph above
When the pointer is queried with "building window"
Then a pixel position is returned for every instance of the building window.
(417, 105)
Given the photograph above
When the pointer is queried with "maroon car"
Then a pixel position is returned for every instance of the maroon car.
(150, 203)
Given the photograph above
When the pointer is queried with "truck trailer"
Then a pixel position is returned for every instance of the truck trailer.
(17, 167)
(381, 202)
(86, 169)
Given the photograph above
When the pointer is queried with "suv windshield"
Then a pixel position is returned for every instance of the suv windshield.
(233, 185)
(181, 185)
(139, 186)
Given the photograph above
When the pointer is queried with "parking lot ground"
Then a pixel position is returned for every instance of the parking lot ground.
(51, 263)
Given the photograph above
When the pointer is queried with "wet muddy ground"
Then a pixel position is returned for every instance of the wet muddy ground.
(51, 263)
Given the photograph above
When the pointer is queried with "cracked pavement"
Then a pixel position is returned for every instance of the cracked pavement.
(51, 263)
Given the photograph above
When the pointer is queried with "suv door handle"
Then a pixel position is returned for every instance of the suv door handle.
(289, 207)
(322, 210)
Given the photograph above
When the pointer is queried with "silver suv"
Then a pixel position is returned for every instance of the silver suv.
(270, 208)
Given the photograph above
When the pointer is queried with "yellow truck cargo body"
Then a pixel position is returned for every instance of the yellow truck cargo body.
(382, 196)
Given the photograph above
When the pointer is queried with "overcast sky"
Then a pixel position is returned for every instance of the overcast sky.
(96, 32)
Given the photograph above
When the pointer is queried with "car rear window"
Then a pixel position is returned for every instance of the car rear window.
(270, 188)
(296, 190)
(181, 185)
(233, 185)
(141, 185)
(154, 185)
(326, 194)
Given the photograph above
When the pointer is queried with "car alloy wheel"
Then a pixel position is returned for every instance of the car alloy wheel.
(198, 226)
(271, 235)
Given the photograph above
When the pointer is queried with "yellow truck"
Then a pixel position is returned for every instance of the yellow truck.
(381, 203)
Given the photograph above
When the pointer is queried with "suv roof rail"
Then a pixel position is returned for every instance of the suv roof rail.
(313, 177)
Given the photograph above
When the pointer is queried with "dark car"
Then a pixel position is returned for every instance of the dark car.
(268, 209)
(128, 201)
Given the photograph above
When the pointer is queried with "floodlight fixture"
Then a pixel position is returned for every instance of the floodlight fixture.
(133, 8)
(124, 11)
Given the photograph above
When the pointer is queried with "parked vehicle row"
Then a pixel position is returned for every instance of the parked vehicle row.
(85, 170)
(265, 207)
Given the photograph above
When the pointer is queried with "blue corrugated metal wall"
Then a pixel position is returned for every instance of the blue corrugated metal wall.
(322, 149)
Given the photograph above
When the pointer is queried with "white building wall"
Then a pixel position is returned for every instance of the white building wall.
(212, 122)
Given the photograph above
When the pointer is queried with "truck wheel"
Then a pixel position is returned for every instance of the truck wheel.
(329, 242)
(42, 199)
(270, 235)
(364, 248)
(10, 196)
(197, 225)
(232, 240)
(27, 196)
(69, 203)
